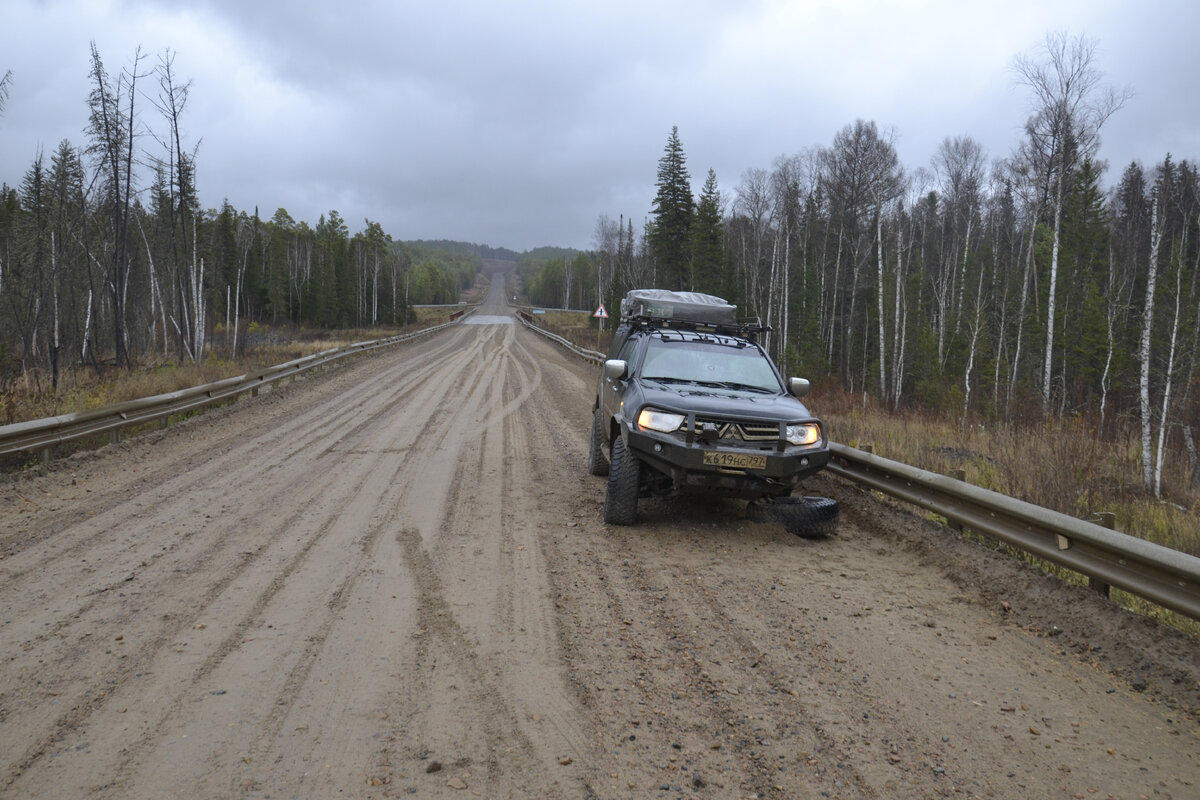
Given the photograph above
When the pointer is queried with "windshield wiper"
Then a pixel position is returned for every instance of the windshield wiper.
(745, 386)
(665, 380)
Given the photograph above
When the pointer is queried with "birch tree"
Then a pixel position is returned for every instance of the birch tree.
(1070, 106)
(1156, 235)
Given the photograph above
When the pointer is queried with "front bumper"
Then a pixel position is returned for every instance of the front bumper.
(684, 463)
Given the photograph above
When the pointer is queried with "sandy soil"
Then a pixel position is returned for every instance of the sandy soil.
(393, 580)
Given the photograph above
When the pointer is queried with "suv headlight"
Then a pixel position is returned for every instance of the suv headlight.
(804, 433)
(655, 420)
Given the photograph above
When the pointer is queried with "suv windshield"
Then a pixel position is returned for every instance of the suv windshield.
(709, 364)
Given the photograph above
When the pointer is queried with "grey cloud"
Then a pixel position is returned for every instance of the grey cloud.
(519, 124)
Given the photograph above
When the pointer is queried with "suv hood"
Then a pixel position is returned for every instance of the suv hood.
(706, 401)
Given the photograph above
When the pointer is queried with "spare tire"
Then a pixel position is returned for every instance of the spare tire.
(807, 517)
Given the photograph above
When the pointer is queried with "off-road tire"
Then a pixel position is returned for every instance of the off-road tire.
(806, 517)
(624, 477)
(597, 463)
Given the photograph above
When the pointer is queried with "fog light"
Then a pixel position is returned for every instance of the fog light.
(804, 462)
(657, 447)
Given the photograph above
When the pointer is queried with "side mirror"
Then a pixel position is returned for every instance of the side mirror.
(615, 369)
(798, 387)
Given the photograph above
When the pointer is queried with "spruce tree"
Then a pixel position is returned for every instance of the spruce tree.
(708, 267)
(670, 228)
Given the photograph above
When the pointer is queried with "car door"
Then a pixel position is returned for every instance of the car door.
(611, 389)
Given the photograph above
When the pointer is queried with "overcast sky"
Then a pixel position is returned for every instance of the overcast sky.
(518, 123)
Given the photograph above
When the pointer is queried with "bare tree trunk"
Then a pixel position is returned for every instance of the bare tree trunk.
(1189, 442)
(883, 386)
(1164, 418)
(837, 268)
(971, 352)
(1016, 365)
(56, 342)
(1111, 336)
(897, 362)
(785, 300)
(1156, 234)
(1051, 294)
(87, 329)
(962, 277)
(237, 301)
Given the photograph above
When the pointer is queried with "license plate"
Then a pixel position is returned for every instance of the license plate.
(735, 460)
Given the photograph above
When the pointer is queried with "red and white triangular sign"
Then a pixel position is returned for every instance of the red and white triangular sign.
(600, 312)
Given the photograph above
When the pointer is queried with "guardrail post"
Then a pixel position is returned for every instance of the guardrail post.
(958, 475)
(114, 436)
(46, 455)
(1109, 520)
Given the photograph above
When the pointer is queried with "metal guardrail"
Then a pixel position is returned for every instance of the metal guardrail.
(1159, 574)
(42, 434)
(593, 356)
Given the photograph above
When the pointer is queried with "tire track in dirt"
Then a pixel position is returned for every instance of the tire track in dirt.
(323, 421)
(325, 392)
(79, 711)
(295, 676)
(483, 550)
(231, 467)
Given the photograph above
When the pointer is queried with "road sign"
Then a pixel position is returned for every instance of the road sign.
(601, 313)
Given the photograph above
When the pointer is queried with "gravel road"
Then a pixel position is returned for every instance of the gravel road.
(393, 580)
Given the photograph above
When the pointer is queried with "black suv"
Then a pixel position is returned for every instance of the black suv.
(688, 400)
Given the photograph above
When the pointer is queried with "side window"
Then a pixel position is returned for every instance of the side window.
(620, 337)
(628, 350)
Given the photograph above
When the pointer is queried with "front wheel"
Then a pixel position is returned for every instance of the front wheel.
(597, 462)
(624, 478)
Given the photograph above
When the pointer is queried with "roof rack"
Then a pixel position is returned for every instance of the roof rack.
(661, 308)
(746, 328)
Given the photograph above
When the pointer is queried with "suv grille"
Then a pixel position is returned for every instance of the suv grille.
(745, 431)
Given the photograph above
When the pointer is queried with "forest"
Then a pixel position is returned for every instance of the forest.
(1011, 292)
(107, 259)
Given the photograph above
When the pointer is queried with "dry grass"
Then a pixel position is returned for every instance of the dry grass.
(81, 389)
(578, 327)
(1059, 464)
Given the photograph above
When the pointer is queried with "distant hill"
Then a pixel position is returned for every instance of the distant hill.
(463, 248)
(548, 253)
(484, 251)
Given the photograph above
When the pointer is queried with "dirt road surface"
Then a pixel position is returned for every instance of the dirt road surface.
(392, 580)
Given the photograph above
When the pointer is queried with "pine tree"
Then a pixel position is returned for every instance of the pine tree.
(669, 231)
(708, 252)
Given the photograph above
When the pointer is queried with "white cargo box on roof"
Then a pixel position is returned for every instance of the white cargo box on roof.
(683, 306)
